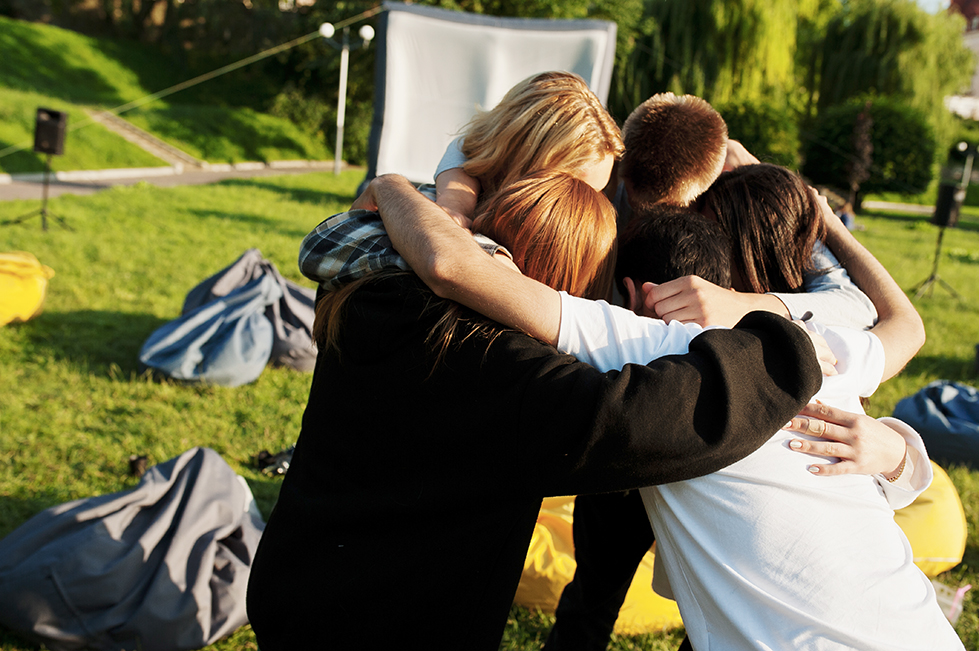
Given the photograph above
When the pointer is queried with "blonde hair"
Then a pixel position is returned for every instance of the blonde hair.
(675, 148)
(549, 121)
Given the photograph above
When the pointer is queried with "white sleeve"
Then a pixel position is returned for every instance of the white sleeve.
(860, 362)
(452, 158)
(832, 297)
(608, 337)
(913, 480)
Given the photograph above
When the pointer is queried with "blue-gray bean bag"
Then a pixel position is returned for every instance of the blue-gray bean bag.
(946, 414)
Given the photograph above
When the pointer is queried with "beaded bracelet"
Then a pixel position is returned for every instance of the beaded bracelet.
(900, 470)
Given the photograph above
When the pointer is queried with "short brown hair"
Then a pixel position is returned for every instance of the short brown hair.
(674, 149)
(551, 120)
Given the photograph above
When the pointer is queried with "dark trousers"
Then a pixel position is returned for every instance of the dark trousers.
(611, 536)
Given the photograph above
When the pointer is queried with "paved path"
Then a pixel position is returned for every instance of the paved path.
(33, 189)
(903, 207)
(76, 183)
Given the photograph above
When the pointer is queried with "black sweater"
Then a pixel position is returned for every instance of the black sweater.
(406, 514)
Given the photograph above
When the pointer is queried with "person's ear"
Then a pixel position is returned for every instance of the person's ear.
(631, 294)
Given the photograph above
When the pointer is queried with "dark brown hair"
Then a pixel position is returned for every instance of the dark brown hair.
(773, 220)
(674, 149)
(667, 242)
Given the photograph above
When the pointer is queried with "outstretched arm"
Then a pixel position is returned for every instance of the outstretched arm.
(455, 267)
(899, 326)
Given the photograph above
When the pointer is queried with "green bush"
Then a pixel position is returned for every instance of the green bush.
(308, 113)
(768, 131)
(903, 159)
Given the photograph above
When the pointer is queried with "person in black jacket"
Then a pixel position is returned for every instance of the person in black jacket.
(431, 436)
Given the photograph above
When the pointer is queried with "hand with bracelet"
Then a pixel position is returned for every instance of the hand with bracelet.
(862, 444)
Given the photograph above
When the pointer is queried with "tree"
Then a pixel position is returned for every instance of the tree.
(902, 140)
(858, 166)
(722, 50)
(894, 48)
(767, 130)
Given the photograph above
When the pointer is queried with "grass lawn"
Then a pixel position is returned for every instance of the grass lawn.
(73, 406)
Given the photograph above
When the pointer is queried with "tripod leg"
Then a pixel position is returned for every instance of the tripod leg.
(924, 287)
(44, 196)
(949, 289)
(928, 283)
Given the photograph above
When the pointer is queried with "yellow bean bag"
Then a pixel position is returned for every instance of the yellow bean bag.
(550, 566)
(934, 524)
(23, 285)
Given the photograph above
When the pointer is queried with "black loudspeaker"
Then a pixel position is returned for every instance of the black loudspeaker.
(950, 198)
(49, 132)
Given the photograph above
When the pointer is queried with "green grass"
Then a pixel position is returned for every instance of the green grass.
(222, 134)
(86, 148)
(59, 69)
(73, 406)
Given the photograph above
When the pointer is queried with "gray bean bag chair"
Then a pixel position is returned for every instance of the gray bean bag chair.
(162, 567)
(233, 324)
(291, 313)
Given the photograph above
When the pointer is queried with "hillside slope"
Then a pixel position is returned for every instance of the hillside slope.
(44, 66)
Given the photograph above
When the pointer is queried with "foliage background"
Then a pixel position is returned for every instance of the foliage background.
(788, 59)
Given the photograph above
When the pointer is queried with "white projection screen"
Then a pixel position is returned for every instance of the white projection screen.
(436, 68)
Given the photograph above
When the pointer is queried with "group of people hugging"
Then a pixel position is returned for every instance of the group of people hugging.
(685, 348)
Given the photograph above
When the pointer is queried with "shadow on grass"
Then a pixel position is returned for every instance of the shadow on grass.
(101, 341)
(951, 368)
(21, 56)
(267, 223)
(300, 195)
(23, 161)
(10, 640)
(971, 556)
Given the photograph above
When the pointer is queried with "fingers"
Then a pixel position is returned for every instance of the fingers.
(827, 367)
(365, 201)
(654, 293)
(824, 354)
(821, 448)
(676, 300)
(458, 217)
(829, 414)
(831, 469)
(816, 427)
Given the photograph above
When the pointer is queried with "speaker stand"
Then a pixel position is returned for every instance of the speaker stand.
(926, 285)
(43, 210)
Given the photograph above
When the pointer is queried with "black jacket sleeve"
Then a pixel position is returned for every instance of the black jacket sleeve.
(676, 418)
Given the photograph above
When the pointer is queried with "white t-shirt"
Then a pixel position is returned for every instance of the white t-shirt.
(763, 554)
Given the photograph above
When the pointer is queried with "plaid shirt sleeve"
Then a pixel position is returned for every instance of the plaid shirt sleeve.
(346, 247)
(349, 245)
